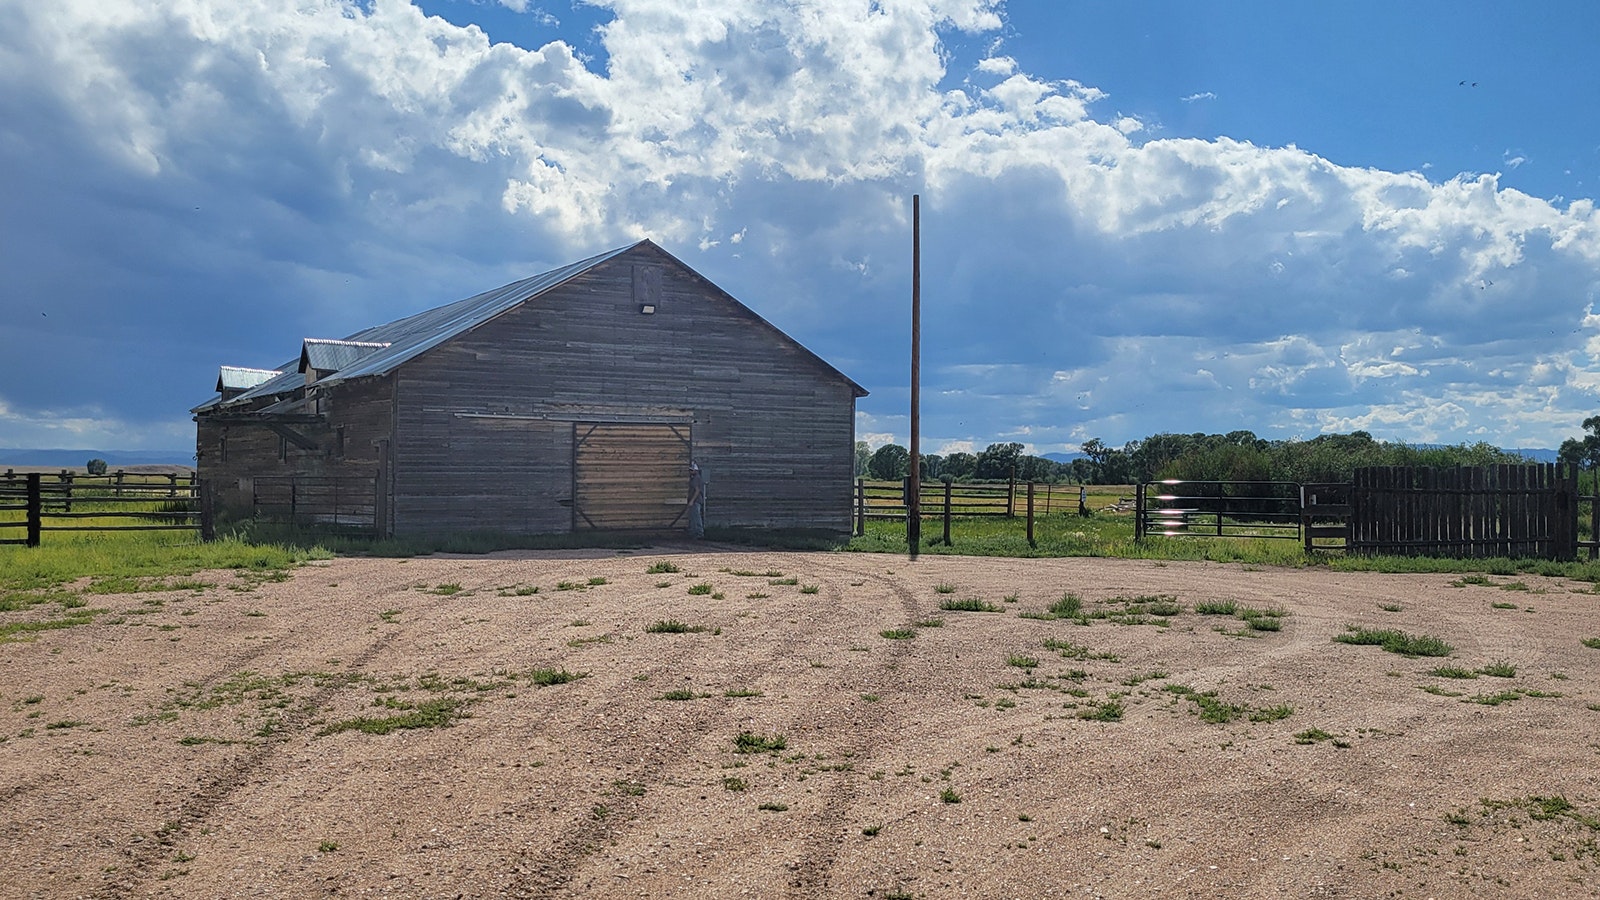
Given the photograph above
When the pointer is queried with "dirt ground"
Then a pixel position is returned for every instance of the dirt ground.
(205, 741)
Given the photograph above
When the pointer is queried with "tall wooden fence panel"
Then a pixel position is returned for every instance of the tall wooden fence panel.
(1528, 511)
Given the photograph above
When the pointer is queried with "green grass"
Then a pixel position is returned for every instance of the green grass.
(898, 634)
(1215, 607)
(751, 742)
(662, 568)
(1499, 669)
(700, 589)
(1592, 643)
(970, 604)
(439, 712)
(70, 556)
(1069, 606)
(1111, 535)
(1395, 641)
(1106, 711)
(673, 626)
(549, 677)
(1453, 672)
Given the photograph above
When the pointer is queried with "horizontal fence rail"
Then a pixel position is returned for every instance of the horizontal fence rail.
(1242, 509)
(947, 500)
(34, 503)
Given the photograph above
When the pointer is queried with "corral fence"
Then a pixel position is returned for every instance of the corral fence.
(336, 502)
(947, 500)
(1251, 509)
(32, 503)
(1528, 511)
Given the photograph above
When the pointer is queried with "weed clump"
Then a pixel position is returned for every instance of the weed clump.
(970, 604)
(1395, 641)
(750, 742)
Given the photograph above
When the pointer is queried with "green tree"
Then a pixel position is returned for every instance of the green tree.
(892, 462)
(96, 466)
(958, 465)
(863, 456)
(1584, 451)
(998, 462)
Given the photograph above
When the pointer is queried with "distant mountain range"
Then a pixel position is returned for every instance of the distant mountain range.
(13, 456)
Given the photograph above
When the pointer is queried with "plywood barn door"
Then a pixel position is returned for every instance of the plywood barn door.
(629, 477)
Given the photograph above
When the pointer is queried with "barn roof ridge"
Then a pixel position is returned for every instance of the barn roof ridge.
(394, 343)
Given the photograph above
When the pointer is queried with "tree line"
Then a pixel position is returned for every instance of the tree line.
(1235, 456)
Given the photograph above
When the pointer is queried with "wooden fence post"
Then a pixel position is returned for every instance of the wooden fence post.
(1030, 516)
(208, 513)
(1011, 495)
(861, 507)
(35, 509)
(947, 513)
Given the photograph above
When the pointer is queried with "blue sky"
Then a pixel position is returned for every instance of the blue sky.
(1138, 217)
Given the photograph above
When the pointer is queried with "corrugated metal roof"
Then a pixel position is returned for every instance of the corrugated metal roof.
(287, 379)
(409, 337)
(324, 355)
(238, 378)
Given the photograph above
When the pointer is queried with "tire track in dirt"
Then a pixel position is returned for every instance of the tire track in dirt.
(554, 868)
(199, 806)
(824, 830)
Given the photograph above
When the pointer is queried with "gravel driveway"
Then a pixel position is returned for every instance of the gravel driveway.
(754, 724)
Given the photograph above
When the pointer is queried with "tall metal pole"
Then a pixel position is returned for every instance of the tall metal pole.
(914, 502)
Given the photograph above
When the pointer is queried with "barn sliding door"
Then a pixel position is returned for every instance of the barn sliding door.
(629, 476)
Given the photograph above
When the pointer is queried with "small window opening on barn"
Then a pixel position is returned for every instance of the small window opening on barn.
(283, 449)
(222, 447)
(648, 309)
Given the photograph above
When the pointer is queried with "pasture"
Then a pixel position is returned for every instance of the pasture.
(708, 722)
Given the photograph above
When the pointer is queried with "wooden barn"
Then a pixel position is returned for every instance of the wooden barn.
(570, 401)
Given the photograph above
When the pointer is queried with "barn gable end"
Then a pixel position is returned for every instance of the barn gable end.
(569, 401)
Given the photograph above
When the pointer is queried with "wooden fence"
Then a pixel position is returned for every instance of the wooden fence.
(1527, 511)
(948, 500)
(1470, 511)
(34, 503)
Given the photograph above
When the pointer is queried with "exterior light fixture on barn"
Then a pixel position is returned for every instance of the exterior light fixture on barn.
(570, 401)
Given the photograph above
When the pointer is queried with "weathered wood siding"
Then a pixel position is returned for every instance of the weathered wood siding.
(483, 431)
(358, 417)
